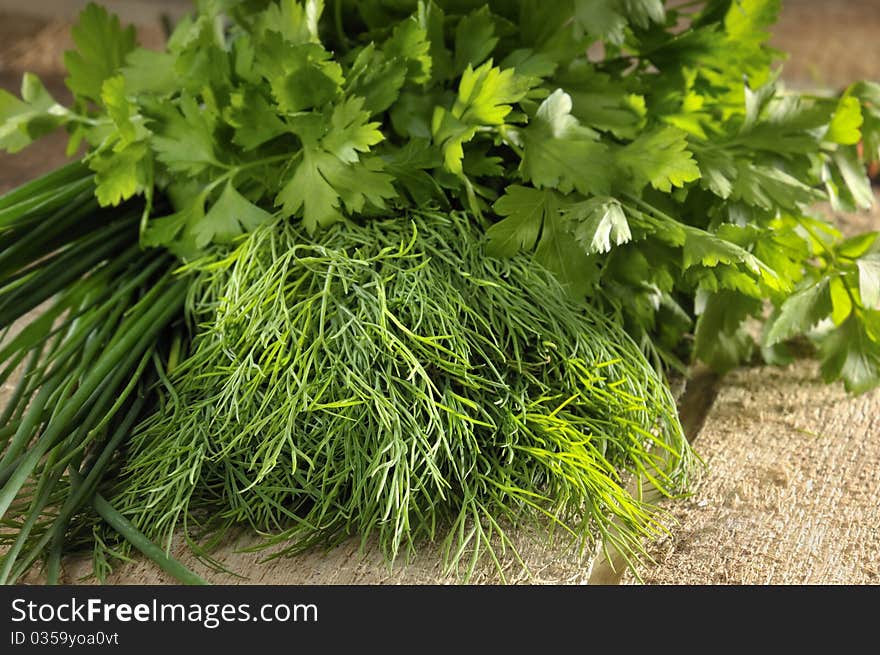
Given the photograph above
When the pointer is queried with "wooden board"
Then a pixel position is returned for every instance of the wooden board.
(790, 493)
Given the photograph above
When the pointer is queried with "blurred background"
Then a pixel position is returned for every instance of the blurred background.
(830, 43)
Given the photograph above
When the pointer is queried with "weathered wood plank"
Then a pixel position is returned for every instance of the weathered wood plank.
(350, 564)
(790, 494)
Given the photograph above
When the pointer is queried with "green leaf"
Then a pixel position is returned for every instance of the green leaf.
(432, 20)
(309, 190)
(202, 56)
(756, 102)
(301, 76)
(706, 249)
(849, 353)
(747, 24)
(550, 34)
(409, 167)
(718, 171)
(231, 215)
(800, 312)
(600, 224)
(118, 107)
(734, 267)
(868, 94)
(451, 134)
(322, 183)
(102, 46)
(854, 177)
(333, 173)
(784, 248)
(175, 230)
(122, 174)
(600, 19)
(841, 301)
(560, 153)
(560, 253)
(604, 103)
(474, 39)
(409, 43)
(35, 115)
(869, 280)
(720, 339)
(149, 71)
(644, 12)
(184, 135)
(350, 132)
(858, 245)
(532, 219)
(770, 188)
(524, 210)
(746, 20)
(485, 94)
(254, 118)
(786, 124)
(484, 97)
(529, 63)
(379, 74)
(307, 86)
(608, 19)
(846, 123)
(296, 21)
(376, 79)
(412, 115)
(659, 157)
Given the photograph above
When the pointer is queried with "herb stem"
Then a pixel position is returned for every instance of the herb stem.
(137, 539)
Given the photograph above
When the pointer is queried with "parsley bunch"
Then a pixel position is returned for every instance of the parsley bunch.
(647, 155)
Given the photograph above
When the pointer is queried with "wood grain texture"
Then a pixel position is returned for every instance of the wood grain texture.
(830, 43)
(350, 563)
(791, 494)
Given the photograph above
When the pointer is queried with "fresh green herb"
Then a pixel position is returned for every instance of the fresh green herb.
(88, 355)
(391, 379)
(281, 151)
(659, 152)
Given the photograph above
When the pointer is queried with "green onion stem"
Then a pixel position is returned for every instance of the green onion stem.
(137, 539)
(131, 345)
(35, 208)
(71, 448)
(16, 396)
(11, 365)
(48, 480)
(66, 223)
(49, 183)
(9, 463)
(98, 418)
(73, 263)
(79, 490)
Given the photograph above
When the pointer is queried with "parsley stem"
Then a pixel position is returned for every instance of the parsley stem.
(267, 160)
(233, 171)
(337, 20)
(831, 254)
(508, 138)
(650, 209)
(835, 265)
